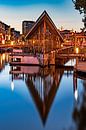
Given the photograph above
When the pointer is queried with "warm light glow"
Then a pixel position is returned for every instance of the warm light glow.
(33, 41)
(12, 86)
(12, 42)
(9, 37)
(1, 60)
(3, 57)
(77, 50)
(61, 45)
(3, 41)
(18, 40)
(23, 43)
(67, 41)
(76, 94)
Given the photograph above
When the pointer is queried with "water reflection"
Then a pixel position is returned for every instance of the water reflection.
(79, 113)
(12, 86)
(42, 84)
(75, 87)
(36, 98)
(4, 58)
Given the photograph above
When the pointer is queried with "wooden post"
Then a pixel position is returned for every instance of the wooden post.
(44, 31)
(39, 38)
(44, 35)
(76, 62)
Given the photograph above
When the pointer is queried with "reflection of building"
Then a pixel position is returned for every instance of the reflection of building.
(43, 89)
(79, 112)
(42, 83)
(4, 58)
(75, 88)
(77, 75)
(26, 26)
(22, 70)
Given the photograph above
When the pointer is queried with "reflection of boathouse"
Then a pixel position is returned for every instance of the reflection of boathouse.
(43, 89)
(44, 38)
(42, 84)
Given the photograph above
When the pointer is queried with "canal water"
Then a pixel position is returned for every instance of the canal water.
(33, 98)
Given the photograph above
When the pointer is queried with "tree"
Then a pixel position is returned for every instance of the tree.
(81, 6)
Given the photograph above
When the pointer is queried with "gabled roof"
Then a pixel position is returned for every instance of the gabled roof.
(42, 16)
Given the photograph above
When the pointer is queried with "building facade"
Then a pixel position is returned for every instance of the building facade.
(8, 34)
(14, 35)
(4, 32)
(73, 38)
(26, 26)
(44, 38)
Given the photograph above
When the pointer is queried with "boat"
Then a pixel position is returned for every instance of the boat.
(18, 57)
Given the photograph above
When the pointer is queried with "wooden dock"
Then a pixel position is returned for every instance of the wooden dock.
(80, 67)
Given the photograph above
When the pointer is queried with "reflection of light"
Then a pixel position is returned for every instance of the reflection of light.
(1, 60)
(76, 94)
(14, 67)
(3, 56)
(12, 86)
(15, 59)
(7, 57)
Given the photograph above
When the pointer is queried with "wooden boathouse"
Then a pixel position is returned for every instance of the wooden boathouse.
(45, 39)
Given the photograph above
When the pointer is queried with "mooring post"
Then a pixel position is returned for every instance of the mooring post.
(76, 62)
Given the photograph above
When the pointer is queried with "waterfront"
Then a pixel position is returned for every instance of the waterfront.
(42, 100)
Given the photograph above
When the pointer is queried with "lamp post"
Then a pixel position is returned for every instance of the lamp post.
(77, 51)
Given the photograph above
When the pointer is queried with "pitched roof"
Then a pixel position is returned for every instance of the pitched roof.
(42, 16)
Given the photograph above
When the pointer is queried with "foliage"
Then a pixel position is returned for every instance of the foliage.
(81, 6)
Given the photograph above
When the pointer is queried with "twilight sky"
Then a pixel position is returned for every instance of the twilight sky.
(62, 12)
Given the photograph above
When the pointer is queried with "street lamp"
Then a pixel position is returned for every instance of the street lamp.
(77, 50)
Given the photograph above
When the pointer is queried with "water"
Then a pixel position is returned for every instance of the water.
(32, 98)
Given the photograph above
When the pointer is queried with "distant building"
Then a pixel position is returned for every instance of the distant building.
(26, 26)
(4, 32)
(80, 39)
(7, 34)
(73, 38)
(68, 36)
(14, 34)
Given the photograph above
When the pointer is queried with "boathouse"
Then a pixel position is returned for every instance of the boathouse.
(45, 38)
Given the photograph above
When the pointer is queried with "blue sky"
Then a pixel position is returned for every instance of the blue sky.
(31, 2)
(62, 12)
